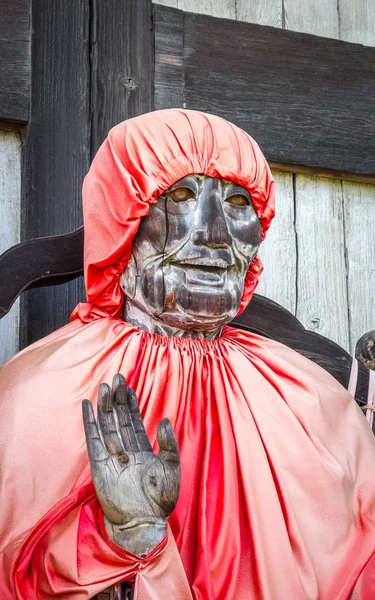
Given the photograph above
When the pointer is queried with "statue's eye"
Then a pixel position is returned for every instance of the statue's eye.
(181, 194)
(237, 200)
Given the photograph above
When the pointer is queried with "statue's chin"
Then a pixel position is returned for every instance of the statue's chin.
(208, 302)
(197, 309)
(184, 323)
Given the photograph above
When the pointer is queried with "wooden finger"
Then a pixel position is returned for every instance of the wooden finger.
(95, 448)
(107, 422)
(124, 420)
(167, 442)
(138, 425)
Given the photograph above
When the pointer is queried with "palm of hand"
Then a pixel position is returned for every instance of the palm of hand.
(133, 484)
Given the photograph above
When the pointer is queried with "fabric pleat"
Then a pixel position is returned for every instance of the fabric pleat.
(277, 498)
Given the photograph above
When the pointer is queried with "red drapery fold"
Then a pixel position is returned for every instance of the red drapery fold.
(277, 498)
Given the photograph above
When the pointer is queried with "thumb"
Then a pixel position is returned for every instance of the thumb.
(167, 442)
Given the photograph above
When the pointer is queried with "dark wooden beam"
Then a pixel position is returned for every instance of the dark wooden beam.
(307, 100)
(14, 64)
(55, 149)
(122, 63)
(169, 58)
(321, 172)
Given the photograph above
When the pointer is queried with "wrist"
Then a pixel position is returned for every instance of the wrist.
(139, 539)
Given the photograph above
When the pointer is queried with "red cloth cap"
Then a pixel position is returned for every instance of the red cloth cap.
(139, 160)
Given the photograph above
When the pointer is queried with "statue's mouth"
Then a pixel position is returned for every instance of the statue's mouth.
(204, 273)
(213, 264)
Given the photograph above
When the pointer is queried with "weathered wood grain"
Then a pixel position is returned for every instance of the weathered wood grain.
(319, 172)
(264, 80)
(263, 12)
(359, 212)
(56, 148)
(10, 192)
(169, 61)
(218, 8)
(322, 303)
(15, 63)
(173, 3)
(122, 63)
(357, 21)
(357, 24)
(278, 252)
(319, 17)
(319, 305)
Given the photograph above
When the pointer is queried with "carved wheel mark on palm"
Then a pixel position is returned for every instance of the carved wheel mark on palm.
(133, 484)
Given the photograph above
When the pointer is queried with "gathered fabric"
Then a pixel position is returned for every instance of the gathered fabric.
(277, 493)
(277, 497)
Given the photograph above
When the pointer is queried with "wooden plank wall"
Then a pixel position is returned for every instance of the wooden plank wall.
(10, 193)
(319, 256)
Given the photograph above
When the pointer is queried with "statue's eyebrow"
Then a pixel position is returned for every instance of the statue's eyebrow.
(236, 186)
(187, 181)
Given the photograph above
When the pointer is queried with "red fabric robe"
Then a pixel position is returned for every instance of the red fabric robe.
(277, 498)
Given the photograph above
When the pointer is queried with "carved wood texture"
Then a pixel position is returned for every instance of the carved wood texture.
(15, 64)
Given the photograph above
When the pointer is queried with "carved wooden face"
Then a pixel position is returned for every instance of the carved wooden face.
(192, 252)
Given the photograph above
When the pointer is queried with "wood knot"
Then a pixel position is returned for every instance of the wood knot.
(130, 84)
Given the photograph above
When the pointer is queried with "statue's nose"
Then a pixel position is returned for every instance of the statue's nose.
(211, 228)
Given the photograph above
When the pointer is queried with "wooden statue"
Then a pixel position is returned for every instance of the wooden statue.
(186, 284)
(222, 464)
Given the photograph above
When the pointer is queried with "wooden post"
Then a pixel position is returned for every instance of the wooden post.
(92, 67)
(56, 148)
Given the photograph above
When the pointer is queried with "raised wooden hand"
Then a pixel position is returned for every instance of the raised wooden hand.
(136, 488)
